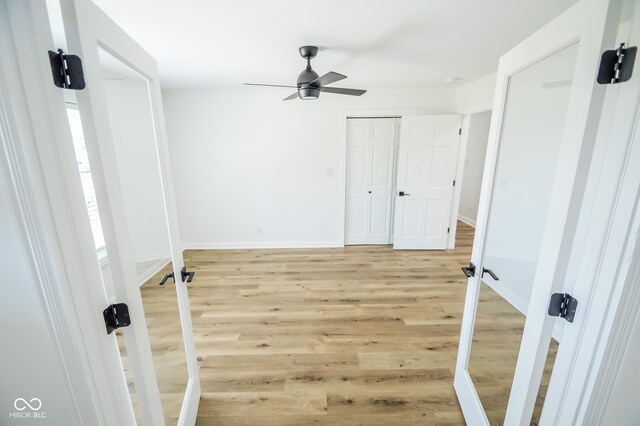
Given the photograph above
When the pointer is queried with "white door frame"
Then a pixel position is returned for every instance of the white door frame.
(390, 112)
(39, 159)
(609, 269)
(87, 28)
(462, 158)
(584, 22)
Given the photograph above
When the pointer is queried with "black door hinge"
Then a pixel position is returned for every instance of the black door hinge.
(469, 271)
(454, 183)
(116, 316)
(186, 276)
(448, 230)
(563, 305)
(66, 70)
(616, 66)
(459, 131)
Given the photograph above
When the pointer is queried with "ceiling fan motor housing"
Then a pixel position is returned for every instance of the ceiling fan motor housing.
(306, 90)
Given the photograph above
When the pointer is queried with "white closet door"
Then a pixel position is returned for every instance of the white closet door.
(370, 160)
(427, 163)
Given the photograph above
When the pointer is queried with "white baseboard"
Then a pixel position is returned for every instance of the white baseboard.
(261, 245)
(462, 218)
(153, 269)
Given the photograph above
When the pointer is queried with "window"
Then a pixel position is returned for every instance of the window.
(82, 158)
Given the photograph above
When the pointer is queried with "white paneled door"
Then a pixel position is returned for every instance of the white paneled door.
(427, 163)
(370, 174)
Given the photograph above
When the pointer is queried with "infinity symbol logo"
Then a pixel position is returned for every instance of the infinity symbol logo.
(21, 404)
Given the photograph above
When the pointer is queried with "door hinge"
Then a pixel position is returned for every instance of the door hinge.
(563, 305)
(116, 316)
(185, 275)
(469, 271)
(616, 66)
(459, 131)
(66, 70)
(448, 230)
(454, 183)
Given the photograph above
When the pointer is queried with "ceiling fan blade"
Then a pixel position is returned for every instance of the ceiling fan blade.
(328, 78)
(268, 85)
(343, 91)
(288, 98)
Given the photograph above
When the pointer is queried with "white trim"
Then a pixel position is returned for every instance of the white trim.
(148, 273)
(607, 279)
(464, 219)
(40, 159)
(457, 189)
(585, 22)
(474, 415)
(190, 402)
(240, 245)
(342, 147)
(87, 29)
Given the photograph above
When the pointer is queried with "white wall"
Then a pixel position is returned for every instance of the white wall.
(476, 95)
(31, 366)
(477, 135)
(253, 171)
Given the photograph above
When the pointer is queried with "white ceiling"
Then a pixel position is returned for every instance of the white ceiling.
(377, 43)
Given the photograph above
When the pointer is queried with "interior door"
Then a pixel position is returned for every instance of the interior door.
(427, 163)
(370, 166)
(124, 136)
(537, 159)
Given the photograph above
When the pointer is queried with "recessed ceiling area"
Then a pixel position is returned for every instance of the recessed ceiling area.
(377, 43)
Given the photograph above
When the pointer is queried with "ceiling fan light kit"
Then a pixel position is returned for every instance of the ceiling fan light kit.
(310, 84)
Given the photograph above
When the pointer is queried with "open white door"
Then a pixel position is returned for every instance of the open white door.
(546, 108)
(123, 129)
(427, 164)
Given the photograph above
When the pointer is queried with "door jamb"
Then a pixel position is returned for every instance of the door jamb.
(55, 227)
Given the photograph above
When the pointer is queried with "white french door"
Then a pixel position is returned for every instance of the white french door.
(370, 175)
(123, 129)
(542, 134)
(427, 164)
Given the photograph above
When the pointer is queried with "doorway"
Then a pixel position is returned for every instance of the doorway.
(475, 137)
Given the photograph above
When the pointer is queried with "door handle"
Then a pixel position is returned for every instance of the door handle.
(402, 193)
(165, 278)
(186, 275)
(490, 272)
(469, 271)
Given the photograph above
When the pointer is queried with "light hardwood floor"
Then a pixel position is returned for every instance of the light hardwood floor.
(360, 335)
(353, 336)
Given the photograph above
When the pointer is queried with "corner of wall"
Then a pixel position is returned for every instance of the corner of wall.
(476, 95)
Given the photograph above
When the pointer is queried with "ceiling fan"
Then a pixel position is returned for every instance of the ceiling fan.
(310, 85)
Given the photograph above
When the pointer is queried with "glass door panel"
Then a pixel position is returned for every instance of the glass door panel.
(532, 126)
(131, 119)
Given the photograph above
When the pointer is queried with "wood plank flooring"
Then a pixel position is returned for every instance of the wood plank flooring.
(360, 335)
(349, 336)
(496, 343)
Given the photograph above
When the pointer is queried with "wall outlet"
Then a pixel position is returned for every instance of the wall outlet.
(259, 230)
(330, 171)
